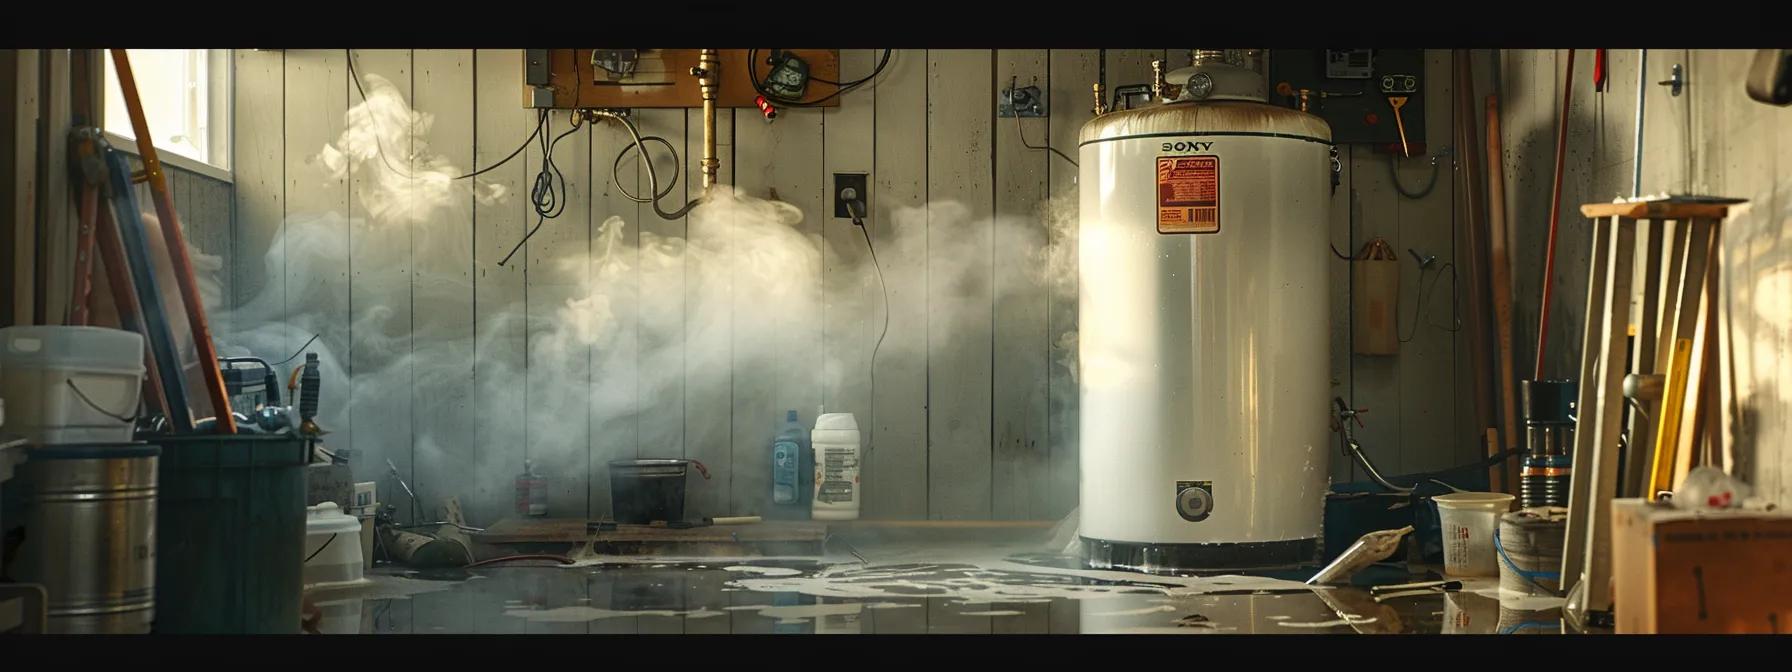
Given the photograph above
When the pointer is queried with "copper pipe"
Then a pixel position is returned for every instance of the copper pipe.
(177, 249)
(1157, 79)
(1100, 104)
(707, 65)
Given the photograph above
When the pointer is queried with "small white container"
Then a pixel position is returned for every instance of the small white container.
(332, 546)
(835, 441)
(1469, 520)
(38, 365)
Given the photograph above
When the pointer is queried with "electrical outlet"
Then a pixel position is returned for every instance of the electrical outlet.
(857, 183)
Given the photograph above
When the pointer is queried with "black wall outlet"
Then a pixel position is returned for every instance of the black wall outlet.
(860, 192)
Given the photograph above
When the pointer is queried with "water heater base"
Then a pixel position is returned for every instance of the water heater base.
(1169, 558)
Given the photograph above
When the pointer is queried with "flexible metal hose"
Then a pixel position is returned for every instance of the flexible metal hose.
(653, 179)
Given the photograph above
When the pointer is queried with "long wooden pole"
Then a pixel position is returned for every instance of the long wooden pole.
(1501, 269)
(1555, 219)
(177, 248)
(1474, 254)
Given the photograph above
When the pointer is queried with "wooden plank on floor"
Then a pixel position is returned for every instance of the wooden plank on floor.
(960, 120)
(853, 302)
(556, 274)
(1072, 74)
(709, 327)
(258, 98)
(317, 266)
(1020, 462)
(895, 476)
(612, 299)
(660, 328)
(442, 400)
(500, 124)
(380, 257)
(1430, 436)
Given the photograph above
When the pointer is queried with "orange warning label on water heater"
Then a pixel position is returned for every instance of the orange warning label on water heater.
(1188, 194)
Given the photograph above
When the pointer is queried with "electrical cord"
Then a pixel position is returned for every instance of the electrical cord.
(548, 199)
(380, 148)
(1394, 176)
(301, 350)
(1048, 145)
(1418, 308)
(840, 88)
(856, 208)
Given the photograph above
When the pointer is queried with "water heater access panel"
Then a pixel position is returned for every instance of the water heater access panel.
(663, 79)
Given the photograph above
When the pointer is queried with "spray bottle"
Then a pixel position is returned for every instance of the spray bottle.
(531, 492)
(788, 448)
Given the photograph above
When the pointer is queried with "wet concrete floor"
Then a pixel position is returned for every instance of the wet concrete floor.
(908, 590)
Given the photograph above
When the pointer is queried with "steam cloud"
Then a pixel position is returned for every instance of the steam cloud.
(591, 334)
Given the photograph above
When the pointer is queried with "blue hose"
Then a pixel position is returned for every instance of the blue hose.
(1531, 576)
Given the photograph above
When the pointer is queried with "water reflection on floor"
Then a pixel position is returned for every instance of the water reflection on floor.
(901, 597)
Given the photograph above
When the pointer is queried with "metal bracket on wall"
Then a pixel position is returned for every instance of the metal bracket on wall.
(1020, 101)
(1676, 81)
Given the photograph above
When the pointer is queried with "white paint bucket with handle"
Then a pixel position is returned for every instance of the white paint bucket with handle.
(1469, 520)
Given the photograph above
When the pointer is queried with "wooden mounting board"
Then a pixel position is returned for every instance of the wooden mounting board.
(1655, 210)
(735, 90)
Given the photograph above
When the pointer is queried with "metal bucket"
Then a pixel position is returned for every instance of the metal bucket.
(89, 530)
(646, 490)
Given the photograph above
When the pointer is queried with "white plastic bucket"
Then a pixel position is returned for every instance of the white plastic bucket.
(70, 384)
(1469, 520)
(332, 547)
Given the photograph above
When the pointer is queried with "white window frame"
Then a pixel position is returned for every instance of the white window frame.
(221, 70)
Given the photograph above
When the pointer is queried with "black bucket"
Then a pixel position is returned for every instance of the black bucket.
(647, 490)
(230, 534)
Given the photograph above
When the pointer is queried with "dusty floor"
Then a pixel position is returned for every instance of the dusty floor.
(901, 589)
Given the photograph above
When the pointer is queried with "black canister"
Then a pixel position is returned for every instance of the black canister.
(1548, 409)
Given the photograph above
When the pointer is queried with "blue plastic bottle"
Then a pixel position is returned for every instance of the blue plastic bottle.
(788, 449)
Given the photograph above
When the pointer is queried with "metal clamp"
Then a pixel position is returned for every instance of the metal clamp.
(1675, 82)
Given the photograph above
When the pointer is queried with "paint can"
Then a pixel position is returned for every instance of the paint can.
(1530, 550)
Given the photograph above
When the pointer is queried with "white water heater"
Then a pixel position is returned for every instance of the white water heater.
(1204, 326)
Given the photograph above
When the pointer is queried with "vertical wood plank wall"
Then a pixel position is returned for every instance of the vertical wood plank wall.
(973, 414)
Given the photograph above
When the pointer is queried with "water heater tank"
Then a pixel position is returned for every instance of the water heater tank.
(1204, 329)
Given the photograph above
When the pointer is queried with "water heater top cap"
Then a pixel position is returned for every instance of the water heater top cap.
(1209, 117)
(836, 421)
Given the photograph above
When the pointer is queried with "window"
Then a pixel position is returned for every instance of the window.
(186, 97)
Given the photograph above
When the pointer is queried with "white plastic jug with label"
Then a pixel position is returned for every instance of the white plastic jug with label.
(835, 441)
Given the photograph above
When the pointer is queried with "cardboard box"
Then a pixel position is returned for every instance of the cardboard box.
(1682, 572)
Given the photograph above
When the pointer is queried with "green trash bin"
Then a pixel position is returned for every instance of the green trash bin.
(230, 534)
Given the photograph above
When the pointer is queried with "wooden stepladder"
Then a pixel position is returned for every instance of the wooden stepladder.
(1670, 277)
